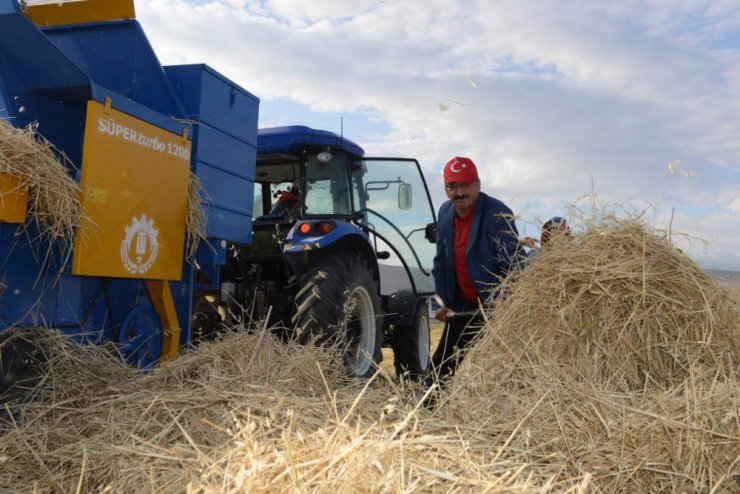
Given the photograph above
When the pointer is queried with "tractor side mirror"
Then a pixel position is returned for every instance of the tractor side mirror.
(404, 197)
(430, 232)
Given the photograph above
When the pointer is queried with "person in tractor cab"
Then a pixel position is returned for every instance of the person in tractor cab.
(286, 203)
(477, 246)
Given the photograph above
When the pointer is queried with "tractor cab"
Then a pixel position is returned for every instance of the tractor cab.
(307, 176)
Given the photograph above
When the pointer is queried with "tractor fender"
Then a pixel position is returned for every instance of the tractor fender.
(402, 307)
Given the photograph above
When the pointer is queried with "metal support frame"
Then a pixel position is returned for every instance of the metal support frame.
(161, 298)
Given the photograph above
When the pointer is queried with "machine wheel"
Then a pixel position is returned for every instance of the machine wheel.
(140, 337)
(206, 321)
(338, 304)
(22, 365)
(411, 345)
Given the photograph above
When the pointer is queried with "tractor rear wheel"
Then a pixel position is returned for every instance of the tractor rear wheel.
(411, 345)
(338, 304)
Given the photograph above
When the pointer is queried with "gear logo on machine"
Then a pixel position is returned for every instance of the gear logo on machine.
(139, 248)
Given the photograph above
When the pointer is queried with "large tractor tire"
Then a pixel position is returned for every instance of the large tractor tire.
(338, 304)
(411, 345)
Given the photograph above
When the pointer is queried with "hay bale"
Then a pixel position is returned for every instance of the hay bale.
(613, 355)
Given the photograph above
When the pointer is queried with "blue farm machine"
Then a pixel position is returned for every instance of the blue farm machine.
(302, 231)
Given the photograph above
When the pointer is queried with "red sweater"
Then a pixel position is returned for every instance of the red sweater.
(461, 228)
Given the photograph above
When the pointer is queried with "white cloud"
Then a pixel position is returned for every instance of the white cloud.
(729, 197)
(331, 10)
(564, 92)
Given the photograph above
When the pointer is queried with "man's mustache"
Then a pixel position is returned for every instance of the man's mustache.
(460, 196)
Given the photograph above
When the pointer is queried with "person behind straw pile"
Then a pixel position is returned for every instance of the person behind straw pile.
(555, 226)
(477, 245)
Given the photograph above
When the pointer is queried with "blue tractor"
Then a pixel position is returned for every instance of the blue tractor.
(303, 232)
(340, 251)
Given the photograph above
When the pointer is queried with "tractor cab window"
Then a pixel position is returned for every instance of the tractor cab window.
(276, 188)
(327, 186)
(287, 200)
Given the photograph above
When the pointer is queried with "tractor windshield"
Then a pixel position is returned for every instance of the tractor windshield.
(278, 194)
(327, 186)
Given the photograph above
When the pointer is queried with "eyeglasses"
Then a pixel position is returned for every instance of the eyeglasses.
(457, 185)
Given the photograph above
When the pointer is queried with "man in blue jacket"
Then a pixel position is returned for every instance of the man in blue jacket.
(477, 245)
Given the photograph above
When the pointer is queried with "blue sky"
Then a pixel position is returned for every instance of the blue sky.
(637, 100)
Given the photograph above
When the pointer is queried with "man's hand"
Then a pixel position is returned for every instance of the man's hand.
(529, 242)
(443, 314)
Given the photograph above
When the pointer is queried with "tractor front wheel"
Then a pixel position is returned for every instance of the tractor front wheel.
(338, 304)
(411, 345)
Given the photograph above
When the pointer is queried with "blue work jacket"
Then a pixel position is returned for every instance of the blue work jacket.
(493, 248)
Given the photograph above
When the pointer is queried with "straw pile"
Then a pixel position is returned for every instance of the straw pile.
(616, 356)
(53, 195)
(195, 216)
(244, 414)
